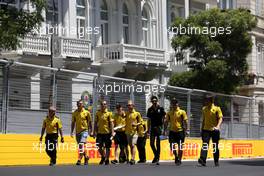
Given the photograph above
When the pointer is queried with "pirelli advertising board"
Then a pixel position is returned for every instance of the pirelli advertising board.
(26, 150)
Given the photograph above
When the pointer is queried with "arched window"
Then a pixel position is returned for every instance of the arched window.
(80, 11)
(125, 24)
(52, 20)
(145, 27)
(104, 21)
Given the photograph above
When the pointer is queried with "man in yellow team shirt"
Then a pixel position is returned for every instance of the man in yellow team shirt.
(81, 119)
(51, 124)
(133, 120)
(212, 120)
(178, 120)
(120, 139)
(104, 132)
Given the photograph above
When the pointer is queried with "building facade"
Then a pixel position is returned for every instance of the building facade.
(126, 38)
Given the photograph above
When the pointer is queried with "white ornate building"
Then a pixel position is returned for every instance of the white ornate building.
(129, 38)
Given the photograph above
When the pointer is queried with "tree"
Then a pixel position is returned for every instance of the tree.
(219, 42)
(16, 23)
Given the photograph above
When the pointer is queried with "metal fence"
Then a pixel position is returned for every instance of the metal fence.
(26, 91)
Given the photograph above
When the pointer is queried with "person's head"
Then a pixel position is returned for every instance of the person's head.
(130, 105)
(80, 105)
(154, 100)
(209, 100)
(174, 103)
(119, 108)
(103, 105)
(52, 111)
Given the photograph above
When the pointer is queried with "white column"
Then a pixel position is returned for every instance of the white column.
(65, 18)
(35, 92)
(164, 36)
(187, 8)
(139, 23)
(60, 19)
(120, 21)
(88, 18)
(98, 38)
(72, 19)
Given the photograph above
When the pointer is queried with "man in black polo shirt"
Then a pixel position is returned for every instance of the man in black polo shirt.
(155, 116)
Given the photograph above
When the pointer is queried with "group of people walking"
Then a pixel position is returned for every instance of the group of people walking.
(130, 131)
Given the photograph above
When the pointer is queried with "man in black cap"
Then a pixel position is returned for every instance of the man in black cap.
(155, 116)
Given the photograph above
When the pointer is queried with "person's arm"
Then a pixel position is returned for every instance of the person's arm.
(149, 121)
(219, 117)
(112, 125)
(42, 133)
(89, 123)
(166, 122)
(95, 126)
(72, 127)
(42, 130)
(149, 124)
(59, 126)
(61, 134)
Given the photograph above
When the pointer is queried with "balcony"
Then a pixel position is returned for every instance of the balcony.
(124, 53)
(69, 47)
(35, 45)
(63, 47)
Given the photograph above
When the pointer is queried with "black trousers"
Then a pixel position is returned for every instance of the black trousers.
(51, 146)
(206, 136)
(141, 143)
(155, 136)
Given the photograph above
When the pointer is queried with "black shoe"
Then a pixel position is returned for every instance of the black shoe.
(128, 162)
(141, 161)
(154, 161)
(107, 162)
(102, 160)
(51, 163)
(217, 164)
(86, 159)
(178, 163)
(201, 162)
(114, 161)
(132, 162)
(78, 163)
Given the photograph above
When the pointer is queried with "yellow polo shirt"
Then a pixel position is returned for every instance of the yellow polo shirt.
(103, 120)
(82, 120)
(52, 124)
(119, 121)
(176, 118)
(211, 115)
(132, 117)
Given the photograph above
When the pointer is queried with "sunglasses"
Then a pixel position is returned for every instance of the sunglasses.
(129, 105)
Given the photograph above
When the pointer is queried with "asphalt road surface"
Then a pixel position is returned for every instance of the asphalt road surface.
(188, 168)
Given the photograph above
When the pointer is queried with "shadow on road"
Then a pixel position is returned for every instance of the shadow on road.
(248, 162)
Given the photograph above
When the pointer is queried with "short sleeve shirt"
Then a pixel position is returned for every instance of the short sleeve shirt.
(52, 124)
(82, 120)
(211, 115)
(176, 118)
(156, 116)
